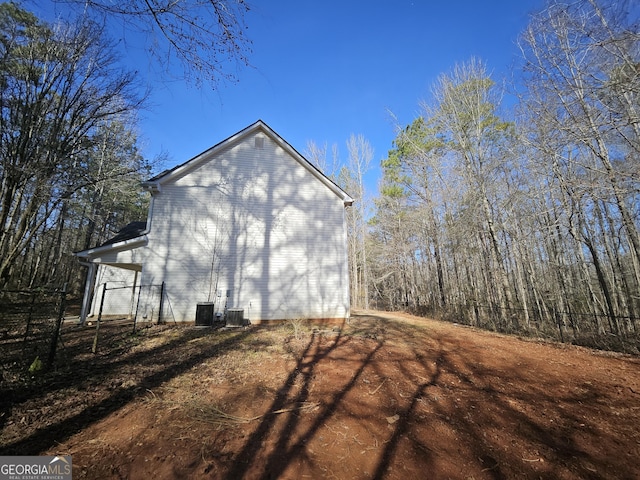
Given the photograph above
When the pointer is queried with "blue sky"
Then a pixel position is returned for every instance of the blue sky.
(322, 70)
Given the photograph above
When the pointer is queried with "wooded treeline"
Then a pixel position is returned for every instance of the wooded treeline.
(523, 217)
(69, 161)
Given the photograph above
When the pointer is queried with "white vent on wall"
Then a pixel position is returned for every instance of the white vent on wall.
(259, 143)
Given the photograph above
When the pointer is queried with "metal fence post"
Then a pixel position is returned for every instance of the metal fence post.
(56, 332)
(29, 319)
(161, 302)
(135, 318)
(94, 349)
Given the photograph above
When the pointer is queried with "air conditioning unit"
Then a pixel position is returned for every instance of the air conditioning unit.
(235, 317)
(204, 314)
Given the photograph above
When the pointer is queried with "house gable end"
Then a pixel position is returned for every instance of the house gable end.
(154, 185)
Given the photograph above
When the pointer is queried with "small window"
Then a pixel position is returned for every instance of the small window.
(259, 143)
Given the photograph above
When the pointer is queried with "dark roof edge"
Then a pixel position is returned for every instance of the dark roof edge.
(128, 233)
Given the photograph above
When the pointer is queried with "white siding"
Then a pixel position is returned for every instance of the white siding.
(120, 297)
(255, 222)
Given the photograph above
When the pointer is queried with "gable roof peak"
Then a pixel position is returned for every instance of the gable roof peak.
(154, 184)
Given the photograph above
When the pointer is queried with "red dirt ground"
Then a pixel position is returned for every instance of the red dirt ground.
(387, 396)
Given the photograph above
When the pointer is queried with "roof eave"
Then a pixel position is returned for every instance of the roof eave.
(152, 187)
(129, 244)
(315, 171)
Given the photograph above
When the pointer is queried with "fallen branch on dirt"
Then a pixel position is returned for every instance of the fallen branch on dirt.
(374, 392)
(197, 409)
(212, 414)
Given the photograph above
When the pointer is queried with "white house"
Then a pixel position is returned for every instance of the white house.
(248, 224)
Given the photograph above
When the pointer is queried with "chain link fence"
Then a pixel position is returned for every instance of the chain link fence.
(587, 329)
(139, 304)
(30, 322)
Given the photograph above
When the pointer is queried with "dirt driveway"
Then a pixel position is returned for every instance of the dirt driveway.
(387, 396)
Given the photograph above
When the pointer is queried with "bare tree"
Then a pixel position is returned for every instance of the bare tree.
(533, 223)
(318, 155)
(391, 246)
(360, 157)
(464, 115)
(58, 85)
(207, 37)
(582, 85)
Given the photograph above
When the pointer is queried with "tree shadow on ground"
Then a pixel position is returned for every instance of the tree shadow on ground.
(156, 366)
(498, 407)
(290, 437)
(445, 401)
(419, 400)
(296, 390)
